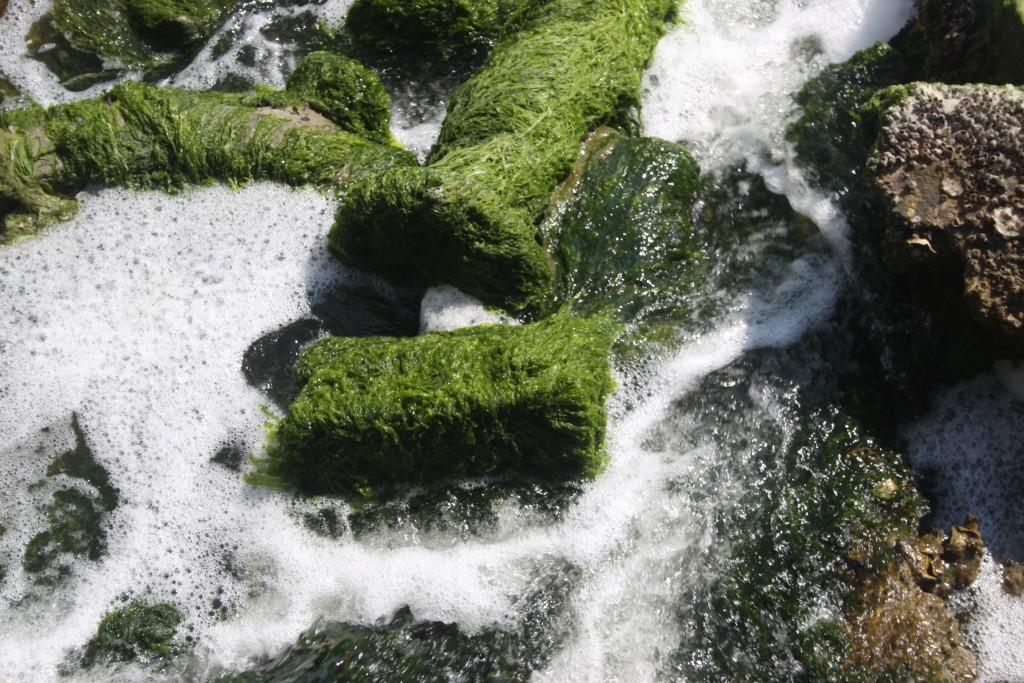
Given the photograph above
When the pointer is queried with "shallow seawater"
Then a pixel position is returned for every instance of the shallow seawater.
(124, 331)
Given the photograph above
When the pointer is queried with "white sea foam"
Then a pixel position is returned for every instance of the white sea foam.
(969, 451)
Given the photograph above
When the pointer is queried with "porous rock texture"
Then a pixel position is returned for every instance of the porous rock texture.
(949, 166)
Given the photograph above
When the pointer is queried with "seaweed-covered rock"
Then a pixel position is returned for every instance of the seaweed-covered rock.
(418, 651)
(838, 125)
(427, 31)
(139, 632)
(623, 240)
(487, 400)
(948, 165)
(470, 219)
(344, 91)
(87, 41)
(146, 136)
(965, 41)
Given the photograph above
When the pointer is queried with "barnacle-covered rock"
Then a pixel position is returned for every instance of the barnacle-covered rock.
(948, 165)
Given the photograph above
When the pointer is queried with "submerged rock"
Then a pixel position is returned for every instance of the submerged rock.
(488, 400)
(87, 41)
(623, 239)
(418, 651)
(469, 219)
(948, 166)
(75, 517)
(425, 33)
(139, 632)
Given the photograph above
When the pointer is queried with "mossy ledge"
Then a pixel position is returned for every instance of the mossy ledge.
(141, 136)
(487, 400)
(470, 218)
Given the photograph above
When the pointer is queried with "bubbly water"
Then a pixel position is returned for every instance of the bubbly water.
(131, 321)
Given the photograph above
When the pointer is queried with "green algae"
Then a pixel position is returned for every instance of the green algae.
(424, 32)
(74, 529)
(839, 122)
(470, 219)
(138, 632)
(342, 90)
(132, 34)
(624, 240)
(488, 400)
(141, 136)
(74, 517)
(1007, 30)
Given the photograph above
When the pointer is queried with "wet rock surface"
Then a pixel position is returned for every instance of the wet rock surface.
(948, 167)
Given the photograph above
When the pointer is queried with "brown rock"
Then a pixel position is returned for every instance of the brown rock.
(949, 165)
(1013, 579)
(902, 629)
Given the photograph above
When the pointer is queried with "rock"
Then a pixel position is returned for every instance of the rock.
(1013, 579)
(559, 70)
(948, 165)
(623, 239)
(965, 41)
(425, 32)
(143, 136)
(488, 400)
(904, 631)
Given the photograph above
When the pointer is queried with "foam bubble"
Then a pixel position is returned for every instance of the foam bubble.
(446, 308)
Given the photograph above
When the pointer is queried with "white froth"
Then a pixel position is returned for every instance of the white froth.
(446, 308)
(969, 451)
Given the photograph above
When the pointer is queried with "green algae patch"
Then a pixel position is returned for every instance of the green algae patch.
(487, 400)
(84, 42)
(839, 123)
(139, 632)
(75, 517)
(141, 136)
(424, 31)
(342, 90)
(558, 71)
(624, 239)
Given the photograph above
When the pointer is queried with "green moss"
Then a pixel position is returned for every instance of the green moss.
(488, 400)
(345, 92)
(139, 632)
(142, 136)
(421, 31)
(559, 70)
(624, 240)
